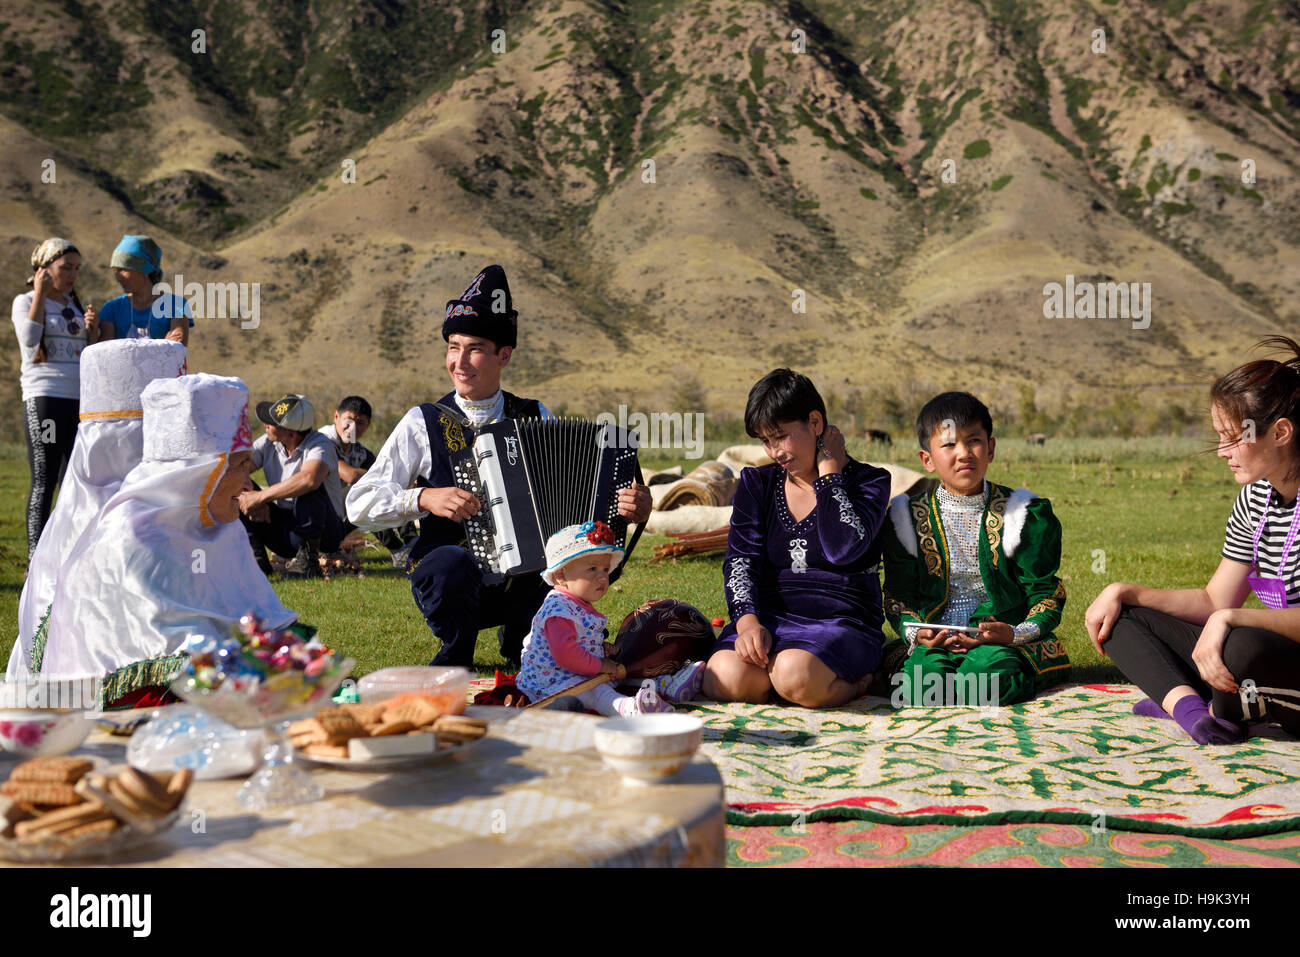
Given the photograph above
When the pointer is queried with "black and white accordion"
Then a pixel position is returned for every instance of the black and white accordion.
(533, 477)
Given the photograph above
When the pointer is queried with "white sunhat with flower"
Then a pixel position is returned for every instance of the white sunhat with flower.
(574, 541)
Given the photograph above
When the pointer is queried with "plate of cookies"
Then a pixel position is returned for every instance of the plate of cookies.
(60, 808)
(400, 732)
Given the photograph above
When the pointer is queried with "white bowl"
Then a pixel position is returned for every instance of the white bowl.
(650, 747)
(38, 733)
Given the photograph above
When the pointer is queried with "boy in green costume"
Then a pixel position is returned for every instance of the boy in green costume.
(969, 553)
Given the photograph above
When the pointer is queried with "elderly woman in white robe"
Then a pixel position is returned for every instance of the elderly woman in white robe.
(168, 558)
(110, 441)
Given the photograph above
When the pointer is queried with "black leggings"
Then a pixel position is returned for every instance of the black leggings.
(51, 430)
(1155, 651)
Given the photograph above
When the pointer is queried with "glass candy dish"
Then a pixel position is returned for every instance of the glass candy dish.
(257, 679)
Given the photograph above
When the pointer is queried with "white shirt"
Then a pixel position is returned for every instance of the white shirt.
(59, 377)
(382, 498)
(355, 454)
(270, 458)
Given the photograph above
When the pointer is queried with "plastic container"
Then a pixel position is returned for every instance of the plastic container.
(448, 688)
(189, 737)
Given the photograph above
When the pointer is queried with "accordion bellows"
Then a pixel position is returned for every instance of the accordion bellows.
(536, 476)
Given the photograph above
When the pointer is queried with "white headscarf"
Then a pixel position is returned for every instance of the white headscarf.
(157, 568)
(109, 444)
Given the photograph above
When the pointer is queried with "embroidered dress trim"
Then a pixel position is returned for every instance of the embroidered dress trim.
(139, 674)
(741, 584)
(994, 523)
(1025, 632)
(847, 515)
(39, 639)
(115, 414)
(204, 515)
(784, 507)
(799, 555)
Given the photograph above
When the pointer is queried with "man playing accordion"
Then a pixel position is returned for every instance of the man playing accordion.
(480, 329)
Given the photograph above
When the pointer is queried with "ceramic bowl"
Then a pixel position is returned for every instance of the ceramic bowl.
(39, 733)
(649, 748)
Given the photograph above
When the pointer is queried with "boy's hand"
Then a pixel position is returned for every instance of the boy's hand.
(994, 633)
(450, 502)
(933, 638)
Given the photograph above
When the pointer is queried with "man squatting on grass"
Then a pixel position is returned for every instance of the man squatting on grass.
(294, 515)
(480, 329)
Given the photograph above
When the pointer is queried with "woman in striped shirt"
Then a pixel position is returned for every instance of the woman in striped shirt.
(1204, 660)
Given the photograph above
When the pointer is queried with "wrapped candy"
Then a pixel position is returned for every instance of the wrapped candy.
(258, 672)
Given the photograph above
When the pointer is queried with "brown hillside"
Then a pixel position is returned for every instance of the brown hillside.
(774, 171)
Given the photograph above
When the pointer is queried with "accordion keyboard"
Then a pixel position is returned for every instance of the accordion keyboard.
(479, 537)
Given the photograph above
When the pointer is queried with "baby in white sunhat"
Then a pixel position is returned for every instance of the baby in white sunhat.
(567, 641)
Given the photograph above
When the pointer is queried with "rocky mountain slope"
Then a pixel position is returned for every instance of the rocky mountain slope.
(664, 180)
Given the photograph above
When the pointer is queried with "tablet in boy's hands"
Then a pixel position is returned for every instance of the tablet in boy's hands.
(914, 627)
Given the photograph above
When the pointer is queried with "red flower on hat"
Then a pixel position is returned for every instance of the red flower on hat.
(599, 533)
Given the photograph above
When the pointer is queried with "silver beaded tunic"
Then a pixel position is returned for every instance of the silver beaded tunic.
(962, 517)
(963, 522)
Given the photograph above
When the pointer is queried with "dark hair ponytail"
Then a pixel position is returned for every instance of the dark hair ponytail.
(1264, 391)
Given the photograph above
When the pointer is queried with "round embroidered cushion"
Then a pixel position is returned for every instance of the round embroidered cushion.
(660, 637)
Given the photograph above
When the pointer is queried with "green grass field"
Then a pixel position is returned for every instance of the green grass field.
(1152, 509)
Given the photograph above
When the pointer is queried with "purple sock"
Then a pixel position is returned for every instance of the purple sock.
(1149, 709)
(1193, 715)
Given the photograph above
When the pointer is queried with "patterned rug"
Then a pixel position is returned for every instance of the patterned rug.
(1077, 756)
(866, 844)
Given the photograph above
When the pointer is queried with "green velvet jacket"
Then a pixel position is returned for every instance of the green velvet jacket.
(1019, 556)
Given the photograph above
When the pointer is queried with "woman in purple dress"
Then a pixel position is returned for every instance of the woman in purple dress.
(800, 573)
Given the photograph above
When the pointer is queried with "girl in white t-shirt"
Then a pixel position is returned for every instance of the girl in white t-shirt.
(52, 329)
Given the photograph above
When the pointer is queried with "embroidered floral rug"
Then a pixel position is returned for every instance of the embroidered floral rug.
(1077, 756)
(867, 844)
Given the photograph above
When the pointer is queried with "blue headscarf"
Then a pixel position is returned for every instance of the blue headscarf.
(141, 254)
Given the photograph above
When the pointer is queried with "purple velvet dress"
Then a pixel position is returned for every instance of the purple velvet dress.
(813, 584)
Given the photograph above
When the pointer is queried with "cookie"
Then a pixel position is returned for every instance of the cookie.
(365, 714)
(418, 712)
(456, 722)
(126, 806)
(55, 770)
(96, 788)
(308, 728)
(11, 812)
(335, 728)
(33, 792)
(392, 727)
(146, 790)
(458, 729)
(179, 784)
(106, 826)
(62, 820)
(326, 750)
